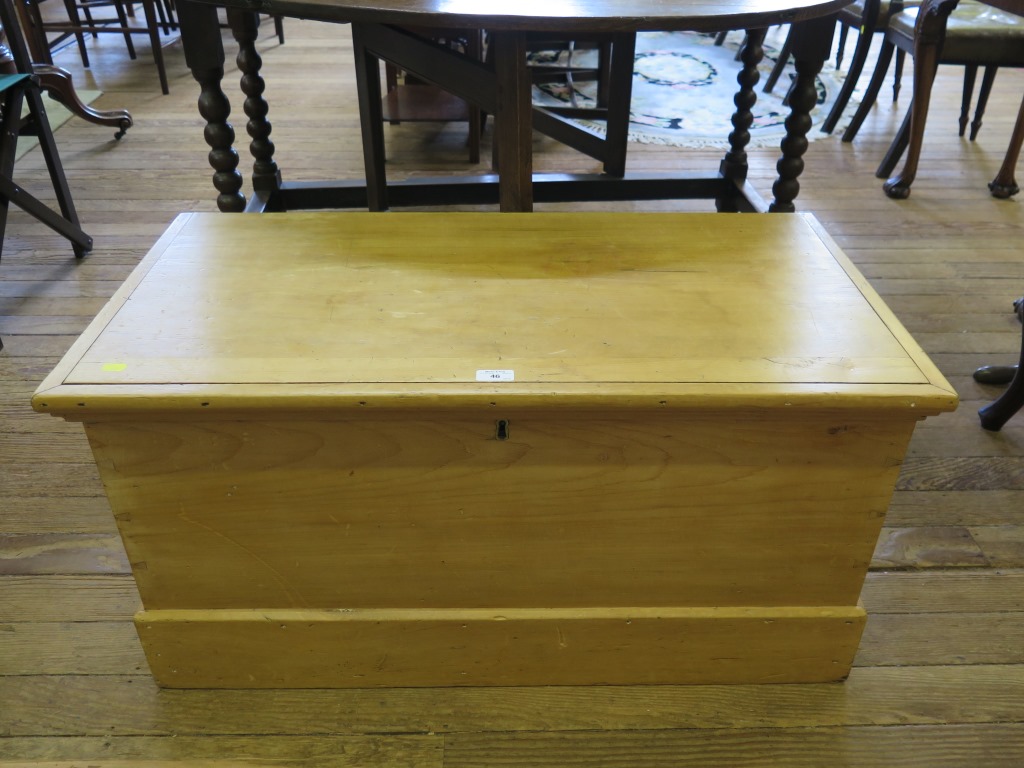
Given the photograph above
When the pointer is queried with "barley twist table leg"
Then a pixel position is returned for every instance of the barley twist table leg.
(204, 55)
(801, 100)
(811, 44)
(734, 165)
(266, 177)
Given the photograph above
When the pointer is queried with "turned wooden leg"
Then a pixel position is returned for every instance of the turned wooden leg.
(928, 37)
(734, 164)
(204, 56)
(1005, 184)
(266, 178)
(811, 43)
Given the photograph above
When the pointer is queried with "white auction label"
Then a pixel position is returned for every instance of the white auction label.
(496, 375)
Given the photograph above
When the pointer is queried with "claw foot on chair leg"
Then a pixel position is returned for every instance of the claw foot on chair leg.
(1003, 191)
(897, 188)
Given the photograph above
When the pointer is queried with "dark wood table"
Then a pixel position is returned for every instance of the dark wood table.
(502, 88)
(931, 31)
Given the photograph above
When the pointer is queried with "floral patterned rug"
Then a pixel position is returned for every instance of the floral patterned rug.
(683, 89)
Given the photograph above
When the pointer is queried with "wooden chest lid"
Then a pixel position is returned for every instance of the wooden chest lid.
(295, 310)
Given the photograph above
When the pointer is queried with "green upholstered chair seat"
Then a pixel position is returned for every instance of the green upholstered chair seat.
(975, 34)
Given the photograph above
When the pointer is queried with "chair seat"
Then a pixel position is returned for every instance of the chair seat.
(975, 34)
(855, 10)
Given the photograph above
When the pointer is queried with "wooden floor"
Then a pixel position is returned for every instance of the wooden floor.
(938, 682)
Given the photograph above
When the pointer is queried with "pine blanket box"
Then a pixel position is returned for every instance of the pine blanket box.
(353, 449)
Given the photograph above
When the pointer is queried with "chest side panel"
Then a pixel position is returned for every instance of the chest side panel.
(592, 510)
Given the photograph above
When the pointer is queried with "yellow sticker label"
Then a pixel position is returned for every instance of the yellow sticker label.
(114, 367)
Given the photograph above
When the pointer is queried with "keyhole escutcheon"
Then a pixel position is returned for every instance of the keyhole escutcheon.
(501, 429)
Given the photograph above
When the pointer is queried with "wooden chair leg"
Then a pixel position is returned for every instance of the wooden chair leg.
(12, 103)
(987, 81)
(897, 78)
(970, 75)
(1004, 185)
(896, 149)
(21, 87)
(87, 14)
(149, 8)
(32, 24)
(871, 95)
(81, 243)
(80, 39)
(928, 36)
(168, 6)
(122, 19)
(780, 64)
(841, 48)
(66, 223)
(164, 17)
(860, 57)
(76, 20)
